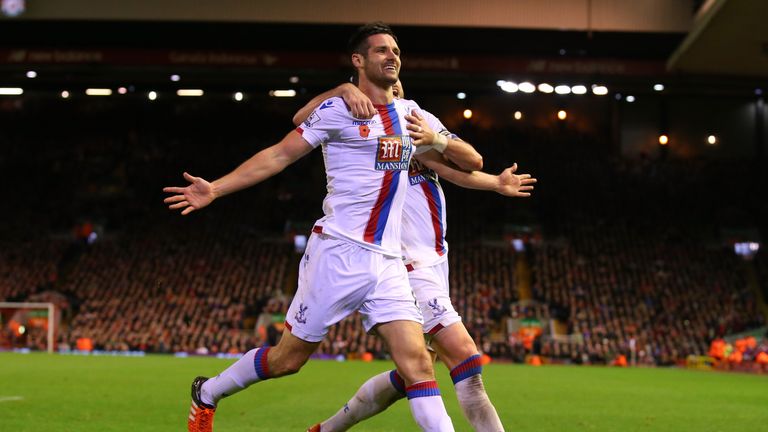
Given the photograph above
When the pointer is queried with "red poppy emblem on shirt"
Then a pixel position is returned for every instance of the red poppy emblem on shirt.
(364, 131)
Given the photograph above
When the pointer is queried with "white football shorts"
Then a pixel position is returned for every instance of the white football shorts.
(337, 278)
(430, 285)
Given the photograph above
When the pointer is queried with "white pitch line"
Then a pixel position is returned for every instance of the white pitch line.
(10, 398)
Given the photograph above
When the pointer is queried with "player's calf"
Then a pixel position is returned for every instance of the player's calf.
(406, 344)
(373, 397)
(474, 401)
(248, 370)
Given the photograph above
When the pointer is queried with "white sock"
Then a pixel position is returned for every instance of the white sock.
(476, 406)
(427, 407)
(373, 397)
(251, 368)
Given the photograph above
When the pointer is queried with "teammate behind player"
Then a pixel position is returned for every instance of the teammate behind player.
(353, 257)
(425, 249)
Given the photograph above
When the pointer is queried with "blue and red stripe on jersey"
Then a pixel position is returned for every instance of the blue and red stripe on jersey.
(260, 362)
(436, 212)
(469, 367)
(389, 119)
(422, 389)
(377, 222)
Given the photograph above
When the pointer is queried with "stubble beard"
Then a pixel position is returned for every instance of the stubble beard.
(380, 79)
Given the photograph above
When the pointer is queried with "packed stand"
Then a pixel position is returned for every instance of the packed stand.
(617, 285)
(633, 257)
(173, 293)
(624, 252)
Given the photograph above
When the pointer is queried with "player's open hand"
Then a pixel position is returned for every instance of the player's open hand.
(515, 185)
(359, 104)
(193, 197)
(419, 130)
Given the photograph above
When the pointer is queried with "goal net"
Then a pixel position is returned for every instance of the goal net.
(27, 326)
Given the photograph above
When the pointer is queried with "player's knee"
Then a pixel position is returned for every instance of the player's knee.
(417, 368)
(467, 350)
(425, 367)
(422, 358)
(459, 345)
(460, 356)
(454, 348)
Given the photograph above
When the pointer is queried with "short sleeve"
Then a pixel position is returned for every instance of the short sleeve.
(324, 122)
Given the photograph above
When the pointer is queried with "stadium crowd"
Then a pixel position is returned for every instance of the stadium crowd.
(634, 252)
(619, 287)
(637, 258)
(180, 294)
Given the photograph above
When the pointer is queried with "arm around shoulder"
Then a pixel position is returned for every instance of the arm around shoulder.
(454, 174)
(462, 154)
(507, 183)
(358, 103)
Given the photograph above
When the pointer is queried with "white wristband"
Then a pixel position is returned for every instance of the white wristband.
(440, 143)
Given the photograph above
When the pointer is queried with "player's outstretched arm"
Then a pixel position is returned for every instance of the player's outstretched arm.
(261, 166)
(507, 183)
(358, 102)
(457, 151)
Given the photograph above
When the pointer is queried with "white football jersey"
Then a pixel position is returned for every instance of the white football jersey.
(424, 221)
(366, 165)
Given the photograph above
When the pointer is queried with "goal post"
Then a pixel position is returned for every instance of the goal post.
(16, 313)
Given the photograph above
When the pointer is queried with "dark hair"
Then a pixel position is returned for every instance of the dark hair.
(358, 42)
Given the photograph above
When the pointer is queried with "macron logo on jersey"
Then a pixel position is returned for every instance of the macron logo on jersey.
(394, 153)
(325, 105)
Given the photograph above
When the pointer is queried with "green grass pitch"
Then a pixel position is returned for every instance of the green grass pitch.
(40, 392)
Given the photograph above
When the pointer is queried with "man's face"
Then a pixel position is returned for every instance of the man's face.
(382, 61)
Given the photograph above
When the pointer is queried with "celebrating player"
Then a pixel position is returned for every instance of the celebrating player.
(425, 249)
(353, 258)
